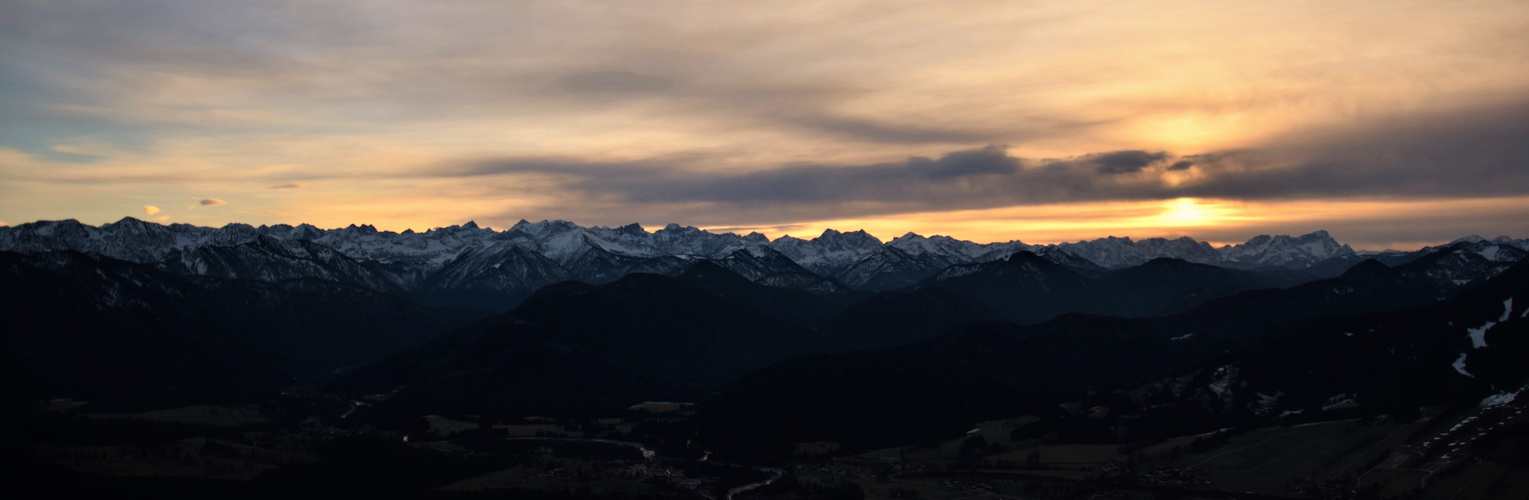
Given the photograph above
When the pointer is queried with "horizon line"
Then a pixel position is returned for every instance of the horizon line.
(734, 230)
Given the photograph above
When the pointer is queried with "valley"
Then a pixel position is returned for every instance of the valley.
(746, 373)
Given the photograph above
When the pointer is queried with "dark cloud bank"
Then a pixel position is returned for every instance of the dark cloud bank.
(1477, 154)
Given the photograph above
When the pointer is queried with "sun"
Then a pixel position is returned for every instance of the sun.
(1187, 212)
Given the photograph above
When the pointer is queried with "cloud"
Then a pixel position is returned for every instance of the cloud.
(162, 218)
(1468, 153)
(1463, 153)
(749, 113)
(212, 202)
(988, 160)
(150, 210)
(1124, 162)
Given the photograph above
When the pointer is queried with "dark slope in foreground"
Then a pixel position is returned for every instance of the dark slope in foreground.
(585, 349)
(574, 348)
(988, 370)
(1397, 362)
(580, 348)
(92, 327)
(1026, 288)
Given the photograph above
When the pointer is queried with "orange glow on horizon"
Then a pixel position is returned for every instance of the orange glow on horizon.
(1219, 222)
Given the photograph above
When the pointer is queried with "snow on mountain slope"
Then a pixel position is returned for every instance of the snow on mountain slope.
(1284, 251)
(1463, 265)
(409, 259)
(1117, 253)
(758, 261)
(270, 259)
(491, 277)
(1290, 252)
(890, 268)
(905, 260)
(597, 265)
(830, 253)
(1500, 240)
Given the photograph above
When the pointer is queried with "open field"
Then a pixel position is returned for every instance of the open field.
(1394, 482)
(1165, 448)
(535, 478)
(221, 416)
(193, 457)
(998, 431)
(444, 425)
(908, 487)
(1482, 480)
(1267, 460)
(664, 407)
(1062, 454)
(943, 486)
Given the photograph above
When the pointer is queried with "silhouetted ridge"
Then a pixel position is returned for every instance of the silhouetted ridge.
(1371, 270)
(713, 274)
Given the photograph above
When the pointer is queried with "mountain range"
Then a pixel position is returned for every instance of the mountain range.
(468, 265)
(838, 339)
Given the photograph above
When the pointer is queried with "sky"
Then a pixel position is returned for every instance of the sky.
(1391, 124)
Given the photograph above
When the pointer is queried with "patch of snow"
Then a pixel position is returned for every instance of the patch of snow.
(1221, 382)
(1182, 337)
(1339, 402)
(1314, 424)
(1479, 335)
(1490, 252)
(1348, 334)
(1499, 399)
(1461, 424)
(1459, 365)
(1265, 403)
(953, 272)
(1507, 310)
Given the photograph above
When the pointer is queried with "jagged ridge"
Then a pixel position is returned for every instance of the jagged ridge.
(509, 264)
